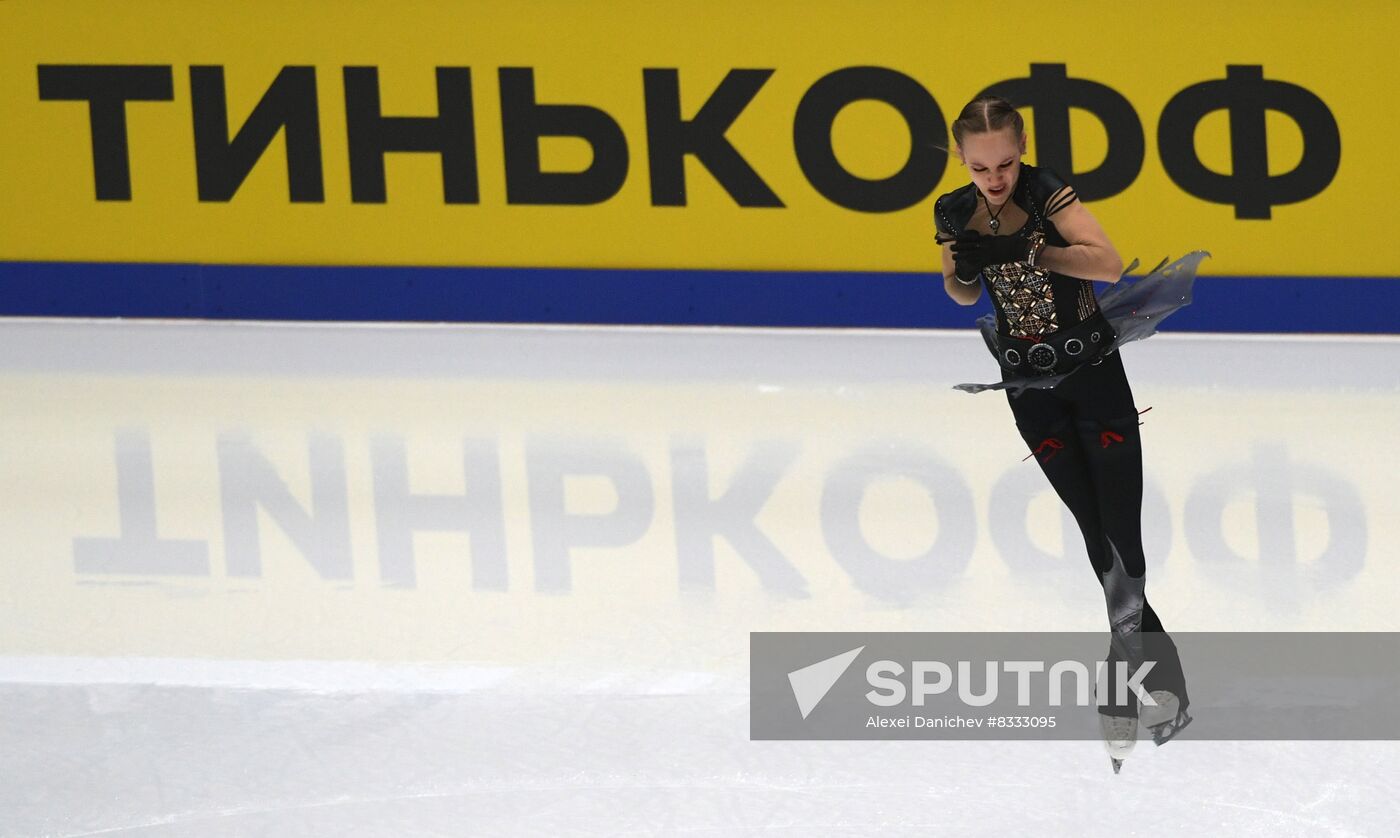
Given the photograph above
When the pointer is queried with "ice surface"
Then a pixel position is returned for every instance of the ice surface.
(467, 580)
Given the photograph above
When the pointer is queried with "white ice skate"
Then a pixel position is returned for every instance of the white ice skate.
(1165, 711)
(1166, 719)
(1119, 737)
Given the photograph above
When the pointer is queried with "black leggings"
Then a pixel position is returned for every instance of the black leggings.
(1084, 433)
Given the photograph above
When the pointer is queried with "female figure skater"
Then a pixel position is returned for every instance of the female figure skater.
(1020, 231)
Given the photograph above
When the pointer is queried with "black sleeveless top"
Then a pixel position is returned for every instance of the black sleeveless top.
(1029, 301)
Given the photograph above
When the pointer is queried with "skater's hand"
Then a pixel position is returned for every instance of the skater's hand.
(967, 268)
(977, 251)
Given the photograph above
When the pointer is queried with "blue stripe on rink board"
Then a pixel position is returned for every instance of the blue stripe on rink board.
(615, 296)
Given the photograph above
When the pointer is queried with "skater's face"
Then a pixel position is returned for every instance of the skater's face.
(993, 159)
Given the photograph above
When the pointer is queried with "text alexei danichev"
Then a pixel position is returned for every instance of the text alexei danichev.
(959, 721)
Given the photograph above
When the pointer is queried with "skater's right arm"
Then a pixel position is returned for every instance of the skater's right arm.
(963, 295)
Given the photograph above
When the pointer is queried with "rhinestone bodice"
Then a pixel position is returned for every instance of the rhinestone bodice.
(1024, 297)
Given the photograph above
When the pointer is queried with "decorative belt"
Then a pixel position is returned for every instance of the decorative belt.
(1058, 351)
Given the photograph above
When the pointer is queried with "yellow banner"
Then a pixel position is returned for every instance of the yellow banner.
(680, 134)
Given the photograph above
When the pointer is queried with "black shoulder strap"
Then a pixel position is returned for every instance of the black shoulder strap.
(953, 210)
(1042, 185)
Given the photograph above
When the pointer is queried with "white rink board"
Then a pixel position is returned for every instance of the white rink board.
(483, 580)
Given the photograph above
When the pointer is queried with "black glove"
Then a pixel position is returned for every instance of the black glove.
(967, 271)
(977, 251)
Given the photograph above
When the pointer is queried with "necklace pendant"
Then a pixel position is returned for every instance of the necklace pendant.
(994, 224)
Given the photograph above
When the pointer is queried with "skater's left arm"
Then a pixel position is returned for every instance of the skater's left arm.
(1090, 254)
